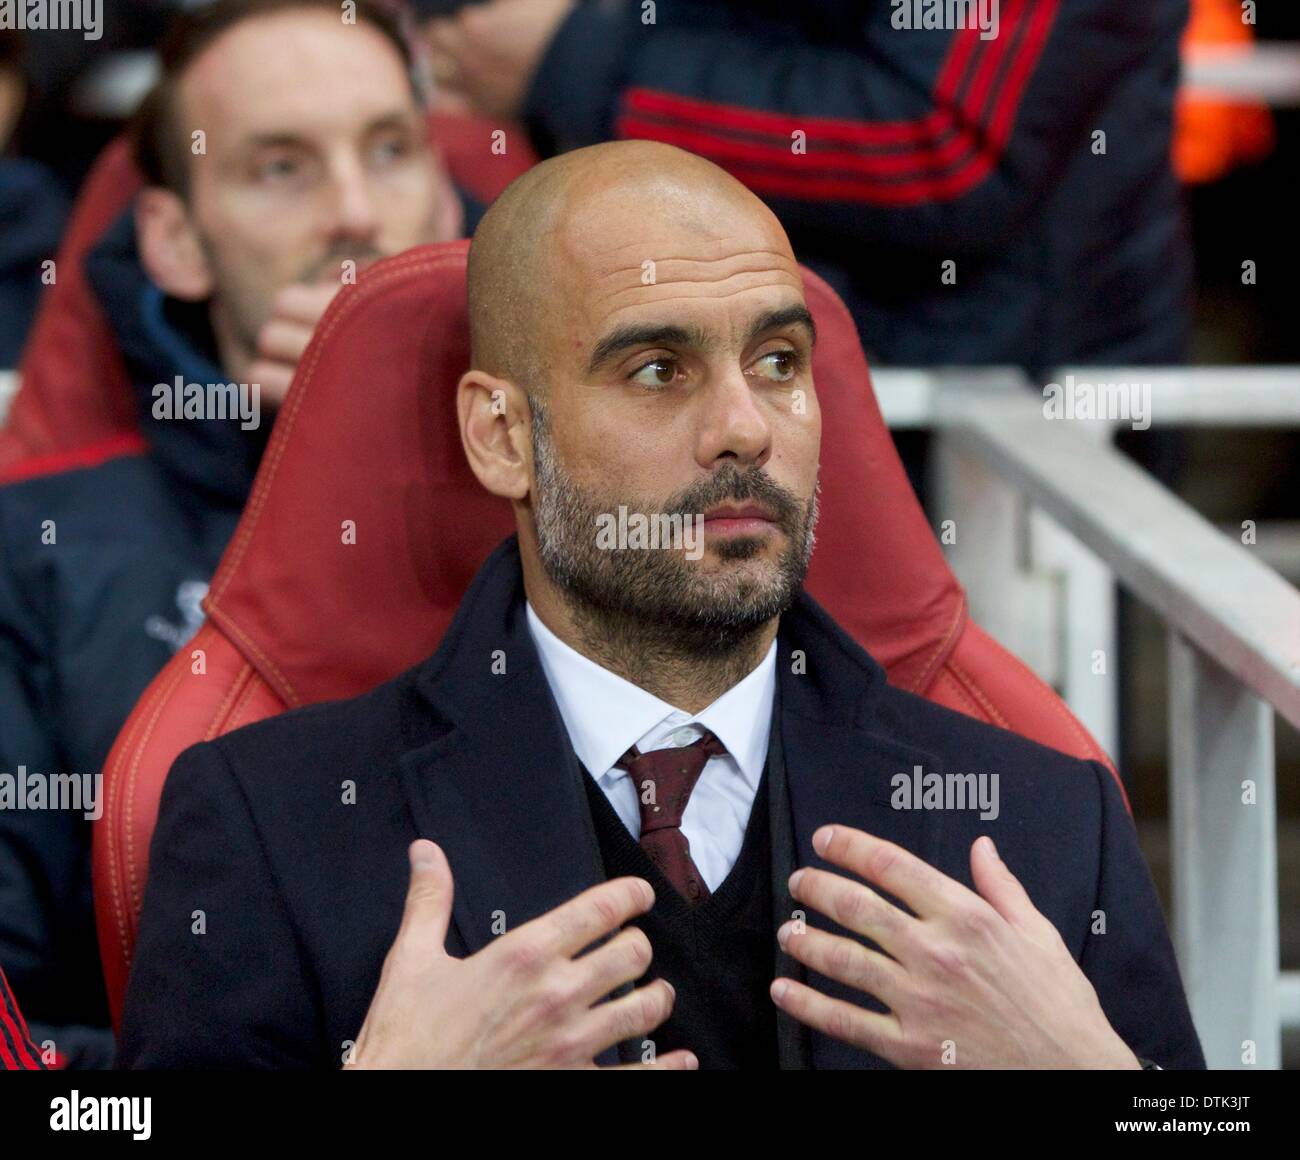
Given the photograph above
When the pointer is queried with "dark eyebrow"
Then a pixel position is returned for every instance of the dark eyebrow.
(795, 315)
(667, 334)
(275, 141)
(397, 119)
(651, 334)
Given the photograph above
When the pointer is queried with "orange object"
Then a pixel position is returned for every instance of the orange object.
(1213, 136)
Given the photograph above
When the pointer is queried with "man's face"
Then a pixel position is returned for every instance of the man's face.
(679, 388)
(316, 154)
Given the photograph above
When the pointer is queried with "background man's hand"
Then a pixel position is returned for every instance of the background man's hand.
(527, 999)
(986, 973)
(487, 53)
(296, 310)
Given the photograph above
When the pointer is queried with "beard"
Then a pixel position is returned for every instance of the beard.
(634, 593)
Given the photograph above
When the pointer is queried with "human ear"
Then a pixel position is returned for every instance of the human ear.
(494, 430)
(169, 245)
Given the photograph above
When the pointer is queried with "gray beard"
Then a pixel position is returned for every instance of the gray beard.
(643, 608)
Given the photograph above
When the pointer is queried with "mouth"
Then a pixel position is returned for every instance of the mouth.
(738, 520)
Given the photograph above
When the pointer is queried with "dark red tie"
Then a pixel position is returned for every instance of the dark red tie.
(664, 779)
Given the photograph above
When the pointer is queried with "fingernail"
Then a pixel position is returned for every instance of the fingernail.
(779, 989)
(794, 880)
(822, 839)
(993, 849)
(692, 1064)
(671, 989)
(783, 934)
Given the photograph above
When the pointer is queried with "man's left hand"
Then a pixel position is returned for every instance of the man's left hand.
(487, 53)
(971, 980)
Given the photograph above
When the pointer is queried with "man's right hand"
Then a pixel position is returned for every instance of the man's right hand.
(530, 999)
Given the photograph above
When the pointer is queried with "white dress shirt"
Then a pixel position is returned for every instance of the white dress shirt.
(606, 715)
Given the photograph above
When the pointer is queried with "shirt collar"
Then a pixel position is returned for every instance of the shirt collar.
(606, 715)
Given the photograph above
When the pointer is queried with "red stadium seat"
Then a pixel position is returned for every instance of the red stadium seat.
(74, 406)
(369, 434)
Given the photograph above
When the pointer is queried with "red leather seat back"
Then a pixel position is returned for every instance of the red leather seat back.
(366, 525)
(483, 156)
(74, 406)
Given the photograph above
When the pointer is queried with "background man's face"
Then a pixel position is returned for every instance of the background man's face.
(316, 153)
(677, 396)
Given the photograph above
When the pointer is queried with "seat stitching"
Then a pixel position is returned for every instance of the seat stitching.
(423, 263)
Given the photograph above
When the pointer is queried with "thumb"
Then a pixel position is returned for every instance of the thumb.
(997, 885)
(427, 913)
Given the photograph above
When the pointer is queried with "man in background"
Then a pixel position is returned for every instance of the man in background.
(284, 149)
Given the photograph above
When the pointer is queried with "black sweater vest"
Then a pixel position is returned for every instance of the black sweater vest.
(717, 955)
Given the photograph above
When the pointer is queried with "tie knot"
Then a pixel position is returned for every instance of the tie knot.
(664, 778)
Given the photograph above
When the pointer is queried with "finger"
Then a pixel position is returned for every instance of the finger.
(304, 302)
(681, 1060)
(272, 379)
(847, 1022)
(630, 1016)
(624, 959)
(998, 886)
(855, 907)
(283, 340)
(892, 868)
(846, 960)
(427, 912)
(575, 925)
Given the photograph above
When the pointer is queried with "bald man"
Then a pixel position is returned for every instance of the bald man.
(664, 836)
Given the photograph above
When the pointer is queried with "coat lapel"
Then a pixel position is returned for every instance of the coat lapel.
(498, 787)
(839, 766)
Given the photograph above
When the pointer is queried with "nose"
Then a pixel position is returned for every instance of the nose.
(734, 424)
(356, 214)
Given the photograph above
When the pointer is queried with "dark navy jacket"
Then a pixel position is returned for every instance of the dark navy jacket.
(921, 147)
(33, 210)
(302, 894)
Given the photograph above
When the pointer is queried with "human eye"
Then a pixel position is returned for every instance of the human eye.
(280, 168)
(390, 148)
(656, 374)
(780, 366)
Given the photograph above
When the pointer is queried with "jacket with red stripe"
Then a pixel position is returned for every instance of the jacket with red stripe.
(17, 1051)
(1035, 160)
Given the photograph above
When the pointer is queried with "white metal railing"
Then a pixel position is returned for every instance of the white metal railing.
(1268, 72)
(8, 385)
(1047, 514)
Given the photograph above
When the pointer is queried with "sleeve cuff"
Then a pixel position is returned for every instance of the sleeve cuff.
(572, 96)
